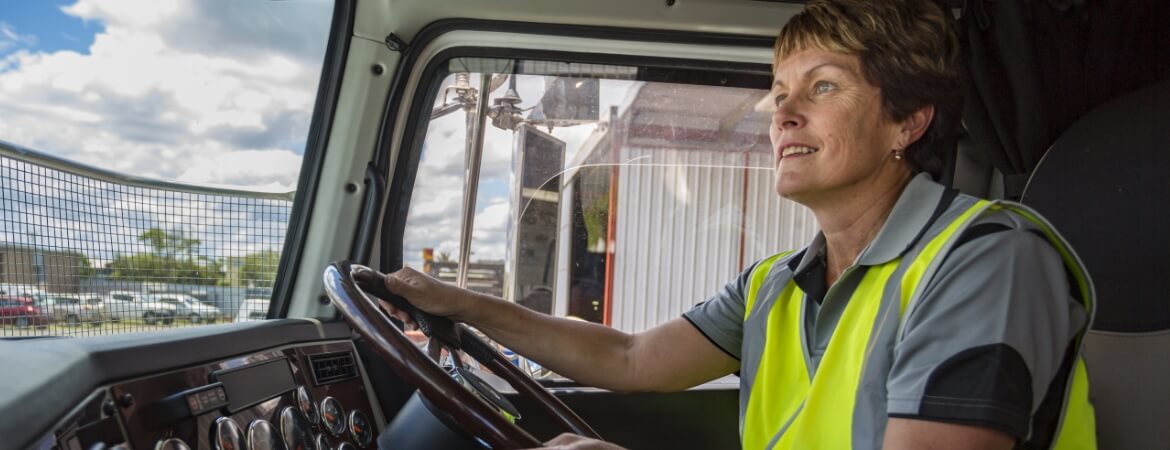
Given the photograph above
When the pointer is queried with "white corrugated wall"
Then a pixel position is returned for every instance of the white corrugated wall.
(678, 229)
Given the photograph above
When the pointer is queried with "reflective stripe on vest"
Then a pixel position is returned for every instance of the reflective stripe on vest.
(787, 410)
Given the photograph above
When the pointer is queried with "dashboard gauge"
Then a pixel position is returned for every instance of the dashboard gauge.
(323, 444)
(360, 429)
(171, 444)
(263, 436)
(332, 416)
(346, 446)
(294, 428)
(226, 434)
(305, 401)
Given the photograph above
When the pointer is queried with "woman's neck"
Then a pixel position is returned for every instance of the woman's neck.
(852, 222)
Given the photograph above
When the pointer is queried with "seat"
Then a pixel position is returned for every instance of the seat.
(1105, 184)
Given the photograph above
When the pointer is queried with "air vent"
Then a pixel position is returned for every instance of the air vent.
(331, 367)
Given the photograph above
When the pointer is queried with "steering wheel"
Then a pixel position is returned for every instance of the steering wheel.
(347, 285)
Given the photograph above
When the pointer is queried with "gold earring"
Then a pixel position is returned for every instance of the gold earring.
(898, 155)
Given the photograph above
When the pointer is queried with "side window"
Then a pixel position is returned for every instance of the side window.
(156, 148)
(602, 194)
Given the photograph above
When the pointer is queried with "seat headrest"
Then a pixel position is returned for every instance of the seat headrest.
(1105, 185)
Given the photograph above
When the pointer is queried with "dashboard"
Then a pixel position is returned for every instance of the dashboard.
(273, 395)
(301, 397)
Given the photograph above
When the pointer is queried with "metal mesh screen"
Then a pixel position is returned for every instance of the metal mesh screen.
(84, 252)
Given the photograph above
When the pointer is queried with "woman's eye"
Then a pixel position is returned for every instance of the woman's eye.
(779, 98)
(822, 87)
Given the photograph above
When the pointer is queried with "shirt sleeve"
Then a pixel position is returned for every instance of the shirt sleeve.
(989, 333)
(720, 318)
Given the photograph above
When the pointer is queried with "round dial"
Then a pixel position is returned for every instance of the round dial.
(322, 443)
(171, 444)
(332, 416)
(226, 434)
(263, 436)
(346, 446)
(294, 428)
(360, 429)
(305, 401)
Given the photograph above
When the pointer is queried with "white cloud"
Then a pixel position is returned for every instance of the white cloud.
(169, 88)
(268, 170)
(10, 38)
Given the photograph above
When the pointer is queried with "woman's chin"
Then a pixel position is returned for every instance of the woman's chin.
(792, 190)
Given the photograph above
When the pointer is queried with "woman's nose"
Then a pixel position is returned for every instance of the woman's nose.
(788, 116)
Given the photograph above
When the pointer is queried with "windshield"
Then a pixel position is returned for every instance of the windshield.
(148, 147)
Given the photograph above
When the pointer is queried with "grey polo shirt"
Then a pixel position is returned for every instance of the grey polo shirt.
(989, 342)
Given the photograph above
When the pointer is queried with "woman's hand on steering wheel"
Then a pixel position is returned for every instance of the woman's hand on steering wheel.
(570, 441)
(425, 293)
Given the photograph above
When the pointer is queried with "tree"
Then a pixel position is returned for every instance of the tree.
(163, 263)
(259, 269)
(151, 267)
(84, 267)
(169, 244)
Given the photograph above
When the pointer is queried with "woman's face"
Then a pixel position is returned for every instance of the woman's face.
(829, 136)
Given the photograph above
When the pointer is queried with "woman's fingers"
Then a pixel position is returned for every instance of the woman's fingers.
(395, 312)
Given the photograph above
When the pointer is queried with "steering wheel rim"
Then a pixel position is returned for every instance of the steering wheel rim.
(474, 414)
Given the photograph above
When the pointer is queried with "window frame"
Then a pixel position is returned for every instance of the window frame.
(312, 163)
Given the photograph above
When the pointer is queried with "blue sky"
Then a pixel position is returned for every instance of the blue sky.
(51, 28)
(118, 83)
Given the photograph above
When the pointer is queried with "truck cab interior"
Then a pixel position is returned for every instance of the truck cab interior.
(648, 110)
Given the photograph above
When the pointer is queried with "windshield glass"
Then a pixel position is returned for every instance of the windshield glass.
(592, 183)
(150, 146)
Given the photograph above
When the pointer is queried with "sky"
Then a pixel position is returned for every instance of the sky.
(435, 216)
(212, 92)
(207, 92)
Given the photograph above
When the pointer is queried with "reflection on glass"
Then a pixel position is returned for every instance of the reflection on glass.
(227, 435)
(263, 436)
(613, 194)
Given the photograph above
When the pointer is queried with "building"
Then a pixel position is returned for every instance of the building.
(668, 202)
(47, 269)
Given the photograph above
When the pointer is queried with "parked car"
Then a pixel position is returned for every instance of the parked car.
(188, 307)
(253, 309)
(21, 311)
(71, 310)
(137, 305)
(22, 290)
(117, 310)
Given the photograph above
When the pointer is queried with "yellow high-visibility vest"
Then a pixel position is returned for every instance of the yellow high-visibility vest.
(788, 410)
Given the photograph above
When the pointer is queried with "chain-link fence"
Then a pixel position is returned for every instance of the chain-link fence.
(85, 251)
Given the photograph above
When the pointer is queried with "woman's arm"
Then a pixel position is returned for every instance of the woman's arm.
(670, 357)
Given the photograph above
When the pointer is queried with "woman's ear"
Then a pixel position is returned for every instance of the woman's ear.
(915, 125)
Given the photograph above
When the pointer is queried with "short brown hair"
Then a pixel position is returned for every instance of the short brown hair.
(907, 48)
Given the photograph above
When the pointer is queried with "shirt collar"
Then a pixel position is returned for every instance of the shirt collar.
(911, 213)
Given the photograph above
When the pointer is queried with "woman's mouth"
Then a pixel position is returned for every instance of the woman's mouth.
(797, 150)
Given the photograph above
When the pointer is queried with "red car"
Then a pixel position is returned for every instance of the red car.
(22, 312)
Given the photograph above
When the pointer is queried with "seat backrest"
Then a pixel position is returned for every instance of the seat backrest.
(1105, 184)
